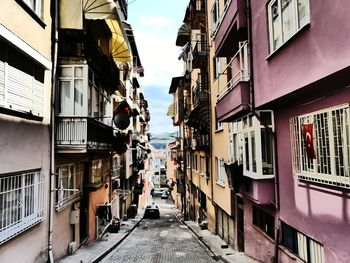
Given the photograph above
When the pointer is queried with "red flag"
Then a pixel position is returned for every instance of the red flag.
(309, 140)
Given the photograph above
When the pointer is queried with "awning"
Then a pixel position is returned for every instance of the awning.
(171, 110)
(183, 35)
(119, 47)
(72, 12)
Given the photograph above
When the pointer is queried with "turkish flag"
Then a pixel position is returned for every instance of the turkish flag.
(309, 140)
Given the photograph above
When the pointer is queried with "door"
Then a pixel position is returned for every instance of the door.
(240, 224)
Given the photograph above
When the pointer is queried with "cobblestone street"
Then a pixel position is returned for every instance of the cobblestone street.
(160, 240)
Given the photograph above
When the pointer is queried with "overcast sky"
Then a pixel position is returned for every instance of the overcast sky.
(155, 24)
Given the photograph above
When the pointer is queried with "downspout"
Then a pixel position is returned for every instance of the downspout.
(252, 108)
(54, 40)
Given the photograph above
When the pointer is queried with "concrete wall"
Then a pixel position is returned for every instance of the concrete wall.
(321, 212)
(63, 233)
(318, 50)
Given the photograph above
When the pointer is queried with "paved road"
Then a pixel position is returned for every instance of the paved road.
(163, 240)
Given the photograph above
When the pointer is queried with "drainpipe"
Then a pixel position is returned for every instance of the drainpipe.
(252, 108)
(54, 40)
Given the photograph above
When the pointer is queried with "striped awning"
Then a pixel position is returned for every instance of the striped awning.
(118, 45)
(183, 35)
(171, 110)
(72, 12)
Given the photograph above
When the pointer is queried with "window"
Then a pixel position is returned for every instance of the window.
(251, 143)
(215, 15)
(264, 221)
(97, 97)
(286, 17)
(218, 125)
(217, 67)
(220, 171)
(201, 165)
(23, 198)
(321, 146)
(21, 82)
(35, 5)
(195, 162)
(69, 185)
(71, 94)
(301, 245)
(99, 171)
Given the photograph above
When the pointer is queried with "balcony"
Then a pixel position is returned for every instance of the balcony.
(200, 141)
(196, 13)
(234, 99)
(200, 94)
(200, 54)
(83, 134)
(231, 28)
(259, 191)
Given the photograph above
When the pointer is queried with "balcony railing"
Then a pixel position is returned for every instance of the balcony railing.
(200, 54)
(200, 140)
(237, 69)
(83, 133)
(200, 94)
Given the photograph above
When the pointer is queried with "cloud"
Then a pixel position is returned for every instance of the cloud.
(158, 21)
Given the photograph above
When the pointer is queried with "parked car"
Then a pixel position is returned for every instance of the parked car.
(152, 211)
(164, 195)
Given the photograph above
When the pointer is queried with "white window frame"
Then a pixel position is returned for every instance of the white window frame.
(35, 5)
(217, 67)
(215, 15)
(297, 23)
(68, 184)
(72, 109)
(249, 129)
(220, 171)
(321, 170)
(201, 165)
(23, 202)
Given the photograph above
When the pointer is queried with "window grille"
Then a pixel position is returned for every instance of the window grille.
(331, 145)
(23, 202)
(69, 177)
(301, 245)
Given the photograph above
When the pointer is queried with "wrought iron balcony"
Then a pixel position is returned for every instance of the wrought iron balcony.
(200, 141)
(200, 54)
(200, 94)
(196, 13)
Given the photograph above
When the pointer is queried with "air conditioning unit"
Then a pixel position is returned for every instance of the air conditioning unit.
(72, 247)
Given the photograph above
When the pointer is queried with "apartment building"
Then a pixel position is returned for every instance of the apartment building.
(25, 104)
(74, 146)
(280, 108)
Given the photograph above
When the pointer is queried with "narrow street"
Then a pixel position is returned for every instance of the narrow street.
(161, 240)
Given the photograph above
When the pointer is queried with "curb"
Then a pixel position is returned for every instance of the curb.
(200, 239)
(105, 253)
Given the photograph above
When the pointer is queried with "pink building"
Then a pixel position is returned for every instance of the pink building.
(290, 136)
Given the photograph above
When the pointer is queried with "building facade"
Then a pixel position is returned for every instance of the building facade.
(74, 125)
(279, 149)
(25, 119)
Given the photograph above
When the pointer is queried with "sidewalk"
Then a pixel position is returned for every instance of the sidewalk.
(95, 251)
(214, 242)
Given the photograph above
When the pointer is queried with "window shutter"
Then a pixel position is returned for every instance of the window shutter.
(38, 98)
(20, 93)
(2, 83)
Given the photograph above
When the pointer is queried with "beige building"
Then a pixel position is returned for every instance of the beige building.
(25, 99)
